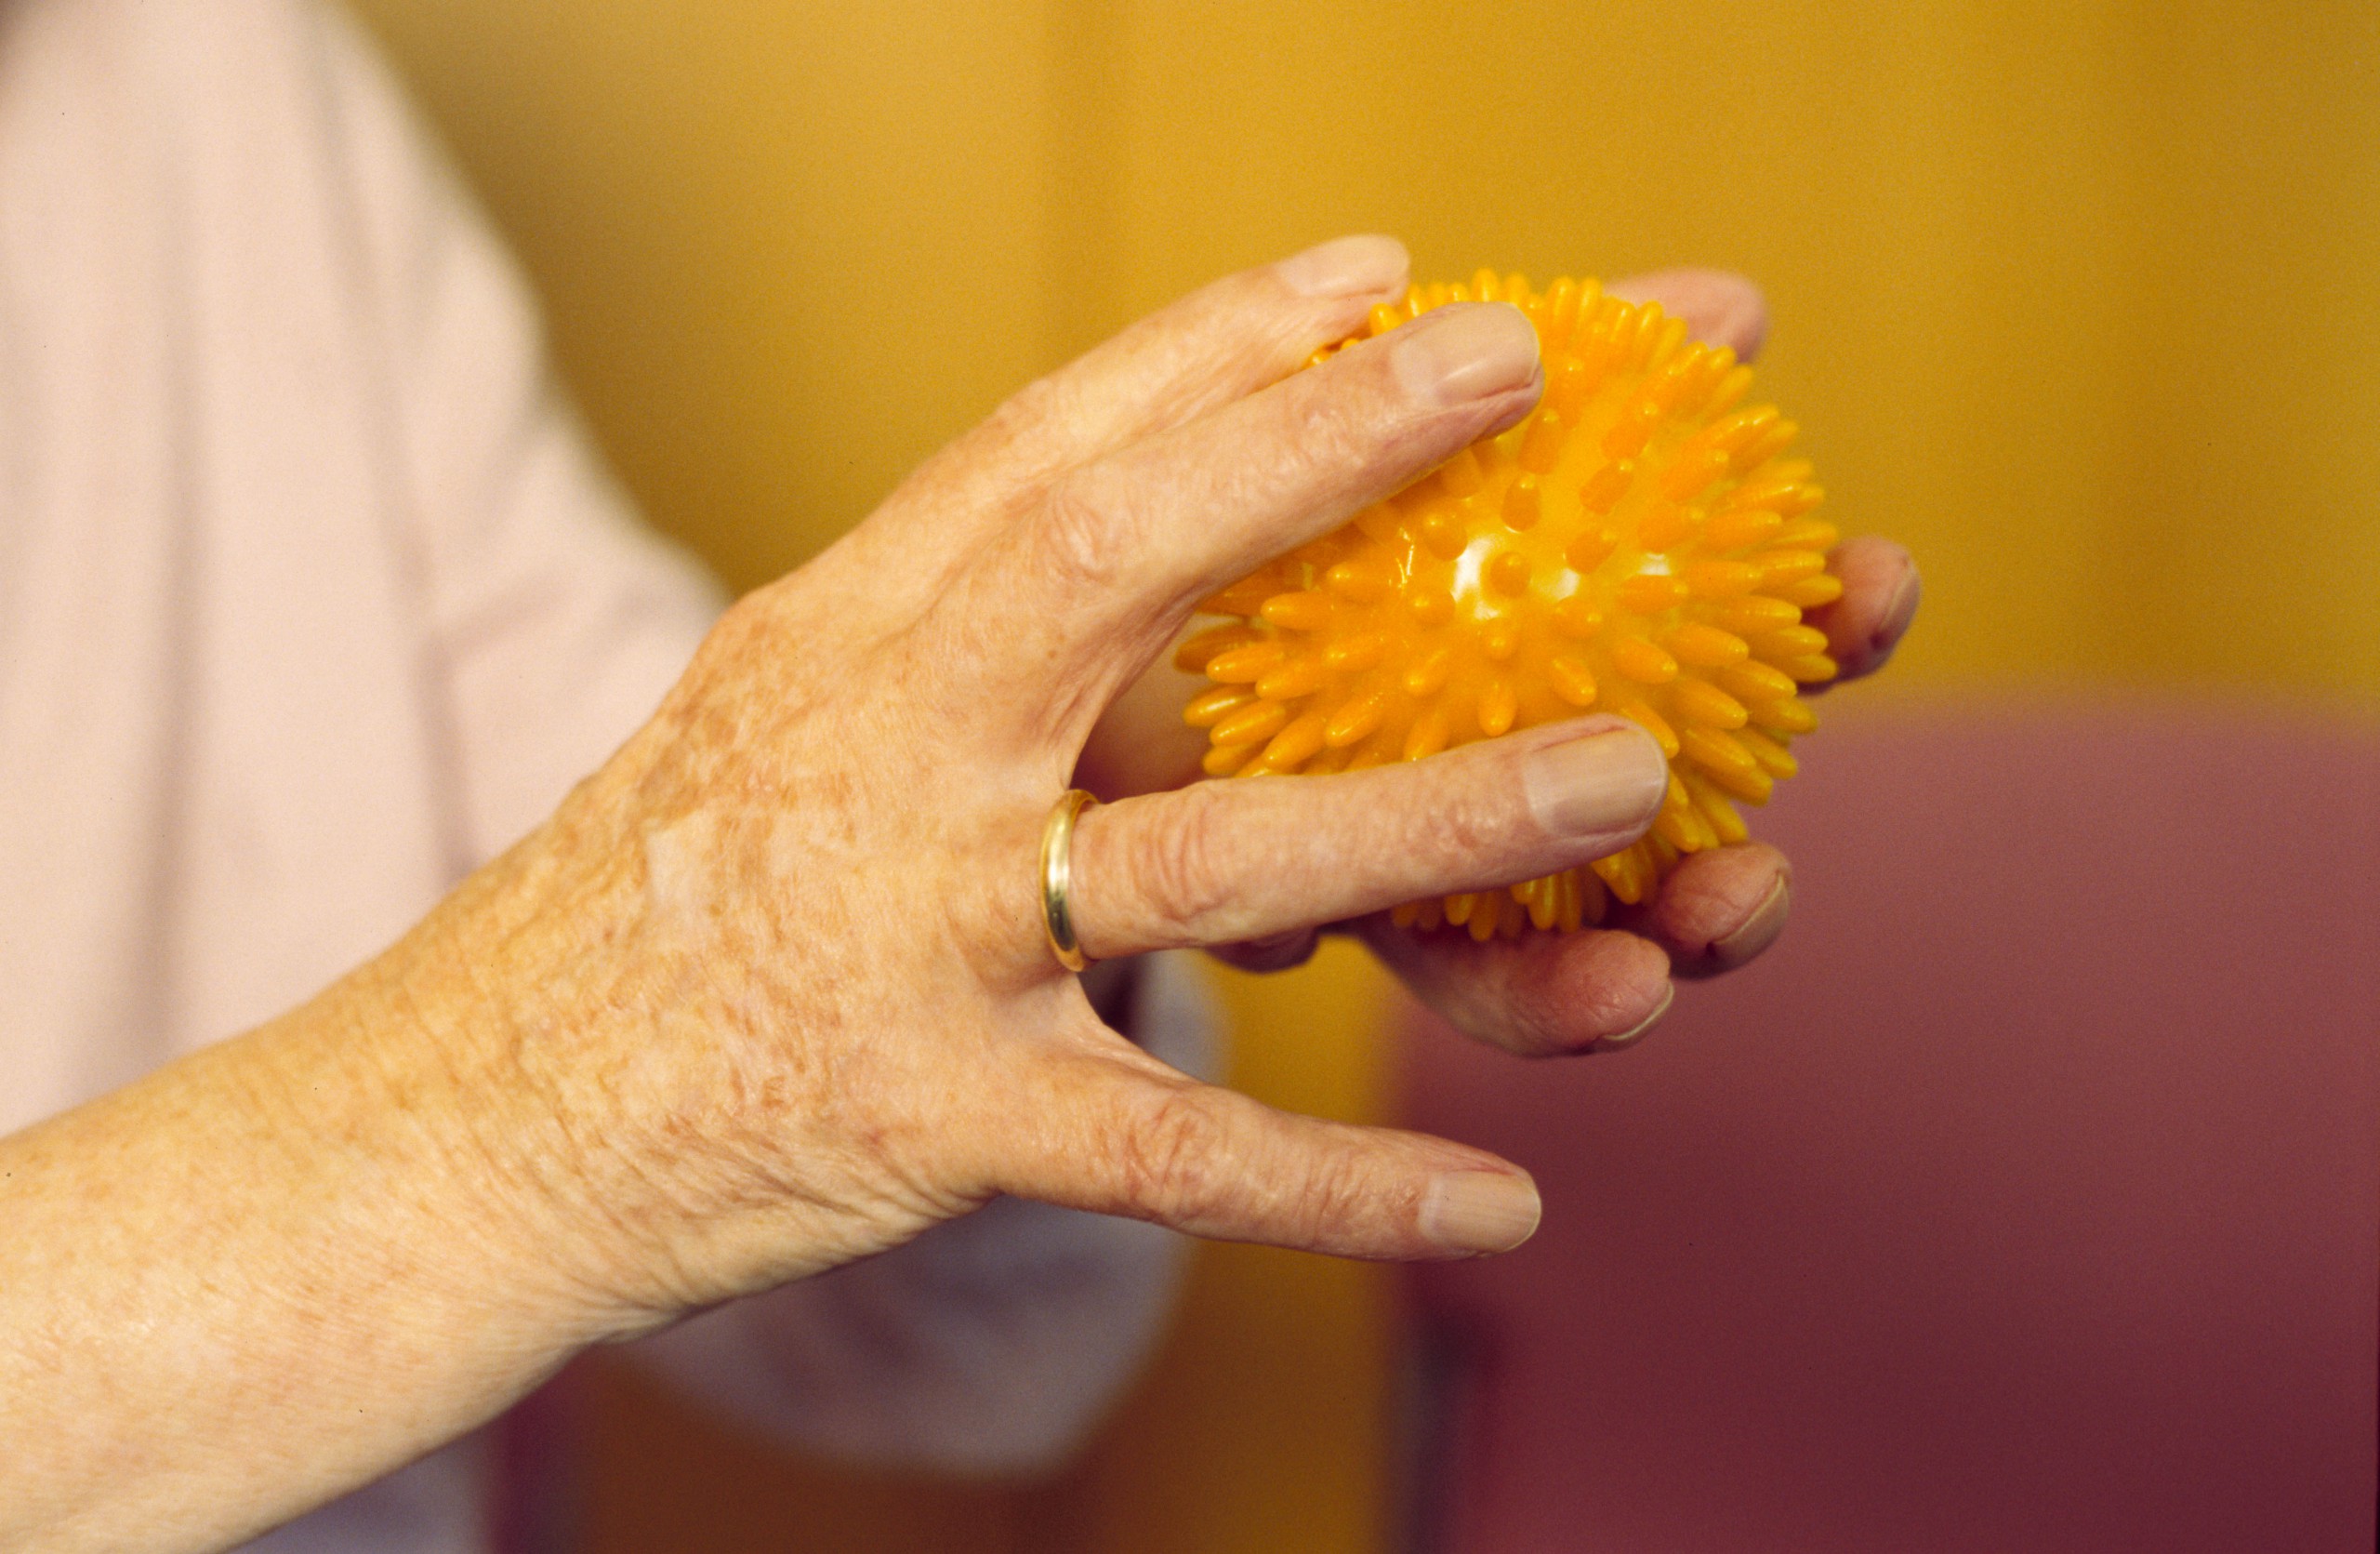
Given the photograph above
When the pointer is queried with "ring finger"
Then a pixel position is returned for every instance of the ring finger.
(1232, 862)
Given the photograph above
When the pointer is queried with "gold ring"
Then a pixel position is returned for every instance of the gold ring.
(1058, 878)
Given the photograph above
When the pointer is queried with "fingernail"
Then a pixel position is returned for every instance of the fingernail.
(1465, 351)
(1480, 1211)
(1636, 1034)
(1607, 784)
(1899, 610)
(1345, 267)
(1759, 930)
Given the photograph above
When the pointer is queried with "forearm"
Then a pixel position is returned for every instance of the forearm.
(271, 1272)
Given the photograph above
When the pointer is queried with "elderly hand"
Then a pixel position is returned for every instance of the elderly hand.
(771, 992)
(1539, 994)
(778, 973)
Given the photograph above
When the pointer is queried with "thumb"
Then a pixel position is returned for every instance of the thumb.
(1120, 1132)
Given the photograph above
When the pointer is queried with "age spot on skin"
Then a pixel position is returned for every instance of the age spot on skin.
(678, 859)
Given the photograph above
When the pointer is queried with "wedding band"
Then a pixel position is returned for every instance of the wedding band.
(1058, 878)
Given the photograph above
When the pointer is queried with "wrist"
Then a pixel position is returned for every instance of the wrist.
(485, 1021)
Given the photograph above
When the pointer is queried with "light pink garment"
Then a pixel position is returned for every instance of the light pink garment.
(312, 596)
(309, 596)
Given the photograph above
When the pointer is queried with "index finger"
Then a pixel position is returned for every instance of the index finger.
(1122, 549)
(1222, 342)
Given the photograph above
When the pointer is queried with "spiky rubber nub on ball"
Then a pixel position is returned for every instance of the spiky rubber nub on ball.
(1637, 545)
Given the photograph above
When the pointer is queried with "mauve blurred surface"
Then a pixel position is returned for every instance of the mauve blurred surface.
(2026, 1195)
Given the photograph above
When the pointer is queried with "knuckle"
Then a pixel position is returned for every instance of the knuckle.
(1031, 415)
(1457, 814)
(1084, 534)
(1183, 863)
(1474, 823)
(1332, 426)
(1176, 1162)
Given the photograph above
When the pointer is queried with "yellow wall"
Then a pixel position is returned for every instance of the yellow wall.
(2078, 298)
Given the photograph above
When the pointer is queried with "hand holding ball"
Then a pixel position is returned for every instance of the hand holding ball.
(1638, 545)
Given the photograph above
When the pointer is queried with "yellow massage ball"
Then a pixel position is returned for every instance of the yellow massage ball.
(1637, 545)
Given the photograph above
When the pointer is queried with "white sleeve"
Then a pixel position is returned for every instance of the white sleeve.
(557, 621)
(988, 1345)
(557, 624)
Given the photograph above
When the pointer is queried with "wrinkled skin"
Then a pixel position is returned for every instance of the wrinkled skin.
(770, 992)
(776, 976)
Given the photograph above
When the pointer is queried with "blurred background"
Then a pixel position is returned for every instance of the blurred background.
(2080, 301)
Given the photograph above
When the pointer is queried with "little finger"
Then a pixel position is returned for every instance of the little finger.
(1880, 595)
(1717, 909)
(1538, 995)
